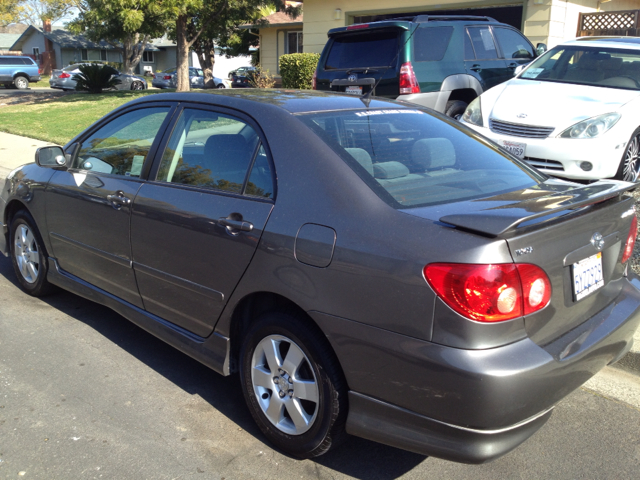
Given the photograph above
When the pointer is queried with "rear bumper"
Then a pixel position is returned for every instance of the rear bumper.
(487, 401)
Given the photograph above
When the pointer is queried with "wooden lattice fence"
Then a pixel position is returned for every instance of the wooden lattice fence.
(623, 23)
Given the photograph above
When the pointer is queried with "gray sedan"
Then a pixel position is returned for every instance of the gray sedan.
(366, 267)
(63, 79)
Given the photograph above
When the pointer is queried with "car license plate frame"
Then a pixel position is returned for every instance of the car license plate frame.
(587, 276)
(517, 149)
(353, 90)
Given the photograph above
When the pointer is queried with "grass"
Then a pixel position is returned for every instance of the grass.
(59, 120)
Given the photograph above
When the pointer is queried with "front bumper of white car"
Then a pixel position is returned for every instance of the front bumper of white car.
(568, 157)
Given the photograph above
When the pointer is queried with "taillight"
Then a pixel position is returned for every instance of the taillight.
(358, 26)
(39, 71)
(64, 75)
(314, 80)
(167, 77)
(408, 80)
(631, 240)
(490, 293)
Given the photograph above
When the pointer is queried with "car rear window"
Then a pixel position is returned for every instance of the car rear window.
(372, 49)
(411, 158)
(430, 43)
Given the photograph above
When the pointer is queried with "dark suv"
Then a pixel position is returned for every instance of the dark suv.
(18, 71)
(440, 62)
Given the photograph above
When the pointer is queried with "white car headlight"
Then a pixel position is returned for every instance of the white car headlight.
(473, 113)
(591, 128)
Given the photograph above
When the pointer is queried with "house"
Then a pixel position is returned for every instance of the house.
(7, 40)
(546, 21)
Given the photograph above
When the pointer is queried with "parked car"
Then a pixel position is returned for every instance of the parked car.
(168, 79)
(18, 71)
(572, 113)
(440, 62)
(243, 81)
(242, 71)
(389, 274)
(163, 79)
(63, 79)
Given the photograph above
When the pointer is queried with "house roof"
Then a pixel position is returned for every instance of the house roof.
(277, 19)
(66, 39)
(7, 40)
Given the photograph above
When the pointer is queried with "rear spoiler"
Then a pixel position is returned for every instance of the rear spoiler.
(502, 220)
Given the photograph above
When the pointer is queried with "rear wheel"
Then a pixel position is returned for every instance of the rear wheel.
(21, 83)
(629, 168)
(455, 109)
(29, 256)
(293, 385)
(137, 86)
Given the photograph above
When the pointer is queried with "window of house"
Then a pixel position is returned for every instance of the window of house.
(36, 53)
(84, 54)
(294, 42)
(147, 56)
(103, 55)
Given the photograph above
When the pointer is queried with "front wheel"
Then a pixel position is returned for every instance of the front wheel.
(220, 85)
(455, 109)
(137, 86)
(29, 256)
(21, 83)
(293, 385)
(629, 168)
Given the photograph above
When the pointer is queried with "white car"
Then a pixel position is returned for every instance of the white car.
(573, 113)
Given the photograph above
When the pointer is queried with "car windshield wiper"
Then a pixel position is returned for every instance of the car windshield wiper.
(360, 70)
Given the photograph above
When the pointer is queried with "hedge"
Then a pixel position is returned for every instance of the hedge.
(297, 69)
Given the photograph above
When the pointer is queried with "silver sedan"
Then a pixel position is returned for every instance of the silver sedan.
(63, 79)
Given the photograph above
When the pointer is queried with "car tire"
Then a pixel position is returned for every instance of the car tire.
(220, 85)
(455, 109)
(629, 168)
(301, 364)
(29, 256)
(137, 86)
(21, 83)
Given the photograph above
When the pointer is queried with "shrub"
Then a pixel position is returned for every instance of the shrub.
(297, 69)
(261, 78)
(95, 78)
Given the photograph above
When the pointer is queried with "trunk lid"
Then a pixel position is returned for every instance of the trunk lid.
(555, 225)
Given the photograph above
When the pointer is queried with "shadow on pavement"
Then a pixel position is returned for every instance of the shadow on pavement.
(358, 458)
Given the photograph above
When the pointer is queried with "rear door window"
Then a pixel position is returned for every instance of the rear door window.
(372, 49)
(483, 44)
(430, 43)
(512, 44)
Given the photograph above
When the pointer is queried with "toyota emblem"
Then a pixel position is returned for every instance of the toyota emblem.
(352, 78)
(522, 115)
(597, 241)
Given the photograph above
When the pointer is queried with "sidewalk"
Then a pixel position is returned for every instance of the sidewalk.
(621, 382)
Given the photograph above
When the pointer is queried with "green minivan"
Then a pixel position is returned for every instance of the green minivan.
(440, 62)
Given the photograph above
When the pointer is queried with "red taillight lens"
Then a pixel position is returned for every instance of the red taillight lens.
(490, 293)
(167, 77)
(408, 80)
(64, 75)
(631, 240)
(314, 80)
(358, 26)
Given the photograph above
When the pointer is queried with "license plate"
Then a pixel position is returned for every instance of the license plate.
(514, 148)
(587, 276)
(354, 90)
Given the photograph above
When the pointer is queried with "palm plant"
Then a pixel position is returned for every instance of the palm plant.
(94, 78)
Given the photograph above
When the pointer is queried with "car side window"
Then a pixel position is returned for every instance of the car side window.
(121, 146)
(430, 43)
(512, 44)
(209, 149)
(483, 43)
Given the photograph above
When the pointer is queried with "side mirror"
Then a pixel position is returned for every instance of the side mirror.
(50, 157)
(541, 48)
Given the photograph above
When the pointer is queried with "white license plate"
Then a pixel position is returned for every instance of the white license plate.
(354, 90)
(587, 276)
(515, 148)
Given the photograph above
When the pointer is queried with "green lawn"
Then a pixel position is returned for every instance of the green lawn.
(59, 120)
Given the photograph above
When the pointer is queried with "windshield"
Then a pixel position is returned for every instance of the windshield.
(602, 67)
(411, 158)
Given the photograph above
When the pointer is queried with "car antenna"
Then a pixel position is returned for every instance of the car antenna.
(366, 98)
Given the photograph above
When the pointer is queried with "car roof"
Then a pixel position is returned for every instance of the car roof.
(606, 42)
(292, 101)
(407, 22)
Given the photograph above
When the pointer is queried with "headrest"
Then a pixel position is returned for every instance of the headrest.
(389, 170)
(362, 157)
(433, 153)
(223, 143)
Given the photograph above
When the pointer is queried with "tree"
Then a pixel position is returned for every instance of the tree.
(34, 12)
(9, 12)
(127, 25)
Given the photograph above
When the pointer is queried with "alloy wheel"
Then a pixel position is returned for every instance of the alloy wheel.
(285, 384)
(26, 253)
(631, 160)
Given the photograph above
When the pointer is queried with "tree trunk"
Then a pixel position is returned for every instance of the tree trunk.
(182, 55)
(205, 49)
(126, 49)
(132, 50)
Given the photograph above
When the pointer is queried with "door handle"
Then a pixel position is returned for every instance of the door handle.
(476, 68)
(232, 224)
(119, 200)
(513, 66)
